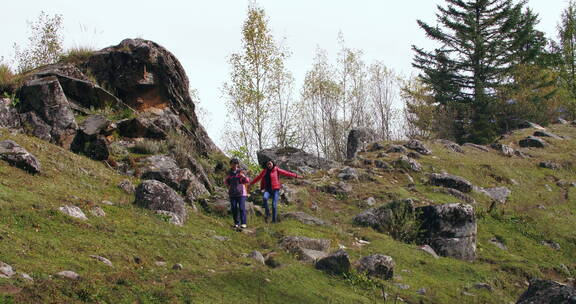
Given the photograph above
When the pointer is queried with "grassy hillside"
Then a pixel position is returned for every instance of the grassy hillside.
(37, 239)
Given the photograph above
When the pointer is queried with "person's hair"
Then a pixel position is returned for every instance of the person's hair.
(266, 164)
(234, 161)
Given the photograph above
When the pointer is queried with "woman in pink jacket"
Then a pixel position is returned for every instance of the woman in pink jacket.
(270, 184)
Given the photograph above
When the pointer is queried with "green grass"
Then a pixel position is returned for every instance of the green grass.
(77, 54)
(37, 239)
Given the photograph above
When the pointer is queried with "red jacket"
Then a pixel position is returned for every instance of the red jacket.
(274, 178)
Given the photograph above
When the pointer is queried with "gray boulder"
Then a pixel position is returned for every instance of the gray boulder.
(386, 217)
(9, 117)
(450, 181)
(155, 195)
(335, 263)
(451, 146)
(357, 141)
(306, 249)
(340, 188)
(499, 194)
(550, 165)
(91, 137)
(69, 275)
(382, 164)
(405, 162)
(450, 229)
(477, 147)
(140, 127)
(46, 98)
(294, 159)
(104, 260)
(288, 194)
(6, 271)
(17, 156)
(33, 125)
(533, 142)
(73, 211)
(257, 256)
(418, 146)
(377, 265)
(302, 217)
(348, 173)
(548, 292)
(127, 186)
(396, 149)
(503, 149)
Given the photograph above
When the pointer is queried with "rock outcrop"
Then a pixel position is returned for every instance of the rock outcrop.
(418, 146)
(357, 141)
(294, 160)
(17, 156)
(450, 181)
(532, 141)
(335, 263)
(377, 265)
(9, 117)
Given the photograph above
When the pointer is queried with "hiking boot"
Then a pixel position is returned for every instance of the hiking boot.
(243, 226)
(235, 226)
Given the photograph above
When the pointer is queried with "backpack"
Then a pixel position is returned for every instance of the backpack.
(235, 187)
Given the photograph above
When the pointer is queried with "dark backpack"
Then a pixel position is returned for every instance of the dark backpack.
(235, 187)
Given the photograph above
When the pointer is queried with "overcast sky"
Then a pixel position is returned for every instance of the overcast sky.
(202, 34)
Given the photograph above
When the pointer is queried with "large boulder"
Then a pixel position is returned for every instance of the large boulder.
(335, 263)
(357, 141)
(418, 146)
(306, 249)
(294, 160)
(386, 217)
(18, 157)
(35, 126)
(450, 229)
(148, 78)
(45, 97)
(140, 127)
(548, 292)
(155, 195)
(450, 181)
(407, 163)
(9, 117)
(498, 194)
(377, 265)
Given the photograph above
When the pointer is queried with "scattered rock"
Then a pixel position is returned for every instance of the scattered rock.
(221, 238)
(418, 146)
(532, 141)
(421, 291)
(414, 155)
(550, 165)
(288, 194)
(26, 277)
(450, 181)
(548, 188)
(97, 211)
(18, 157)
(547, 292)
(102, 259)
(498, 243)
(108, 203)
(405, 162)
(160, 263)
(429, 250)
(127, 186)
(376, 147)
(348, 173)
(303, 218)
(370, 201)
(377, 265)
(450, 229)
(499, 194)
(67, 274)
(6, 271)
(294, 243)
(551, 244)
(396, 149)
(335, 263)
(257, 256)
(357, 140)
(503, 149)
(382, 164)
(565, 184)
(561, 121)
(451, 146)
(156, 195)
(340, 188)
(173, 218)
(483, 286)
(177, 266)
(541, 133)
(402, 286)
(73, 211)
(477, 147)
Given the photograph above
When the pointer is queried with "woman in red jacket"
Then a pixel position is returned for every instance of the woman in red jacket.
(270, 184)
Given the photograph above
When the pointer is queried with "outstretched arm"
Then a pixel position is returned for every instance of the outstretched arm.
(287, 173)
(258, 178)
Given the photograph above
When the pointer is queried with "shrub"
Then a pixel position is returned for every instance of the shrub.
(150, 146)
(404, 224)
(6, 77)
(78, 54)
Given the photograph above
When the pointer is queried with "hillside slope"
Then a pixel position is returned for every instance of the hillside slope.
(37, 239)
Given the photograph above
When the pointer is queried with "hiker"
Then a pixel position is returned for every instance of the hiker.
(237, 182)
(270, 184)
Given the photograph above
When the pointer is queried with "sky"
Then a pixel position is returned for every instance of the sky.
(203, 33)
